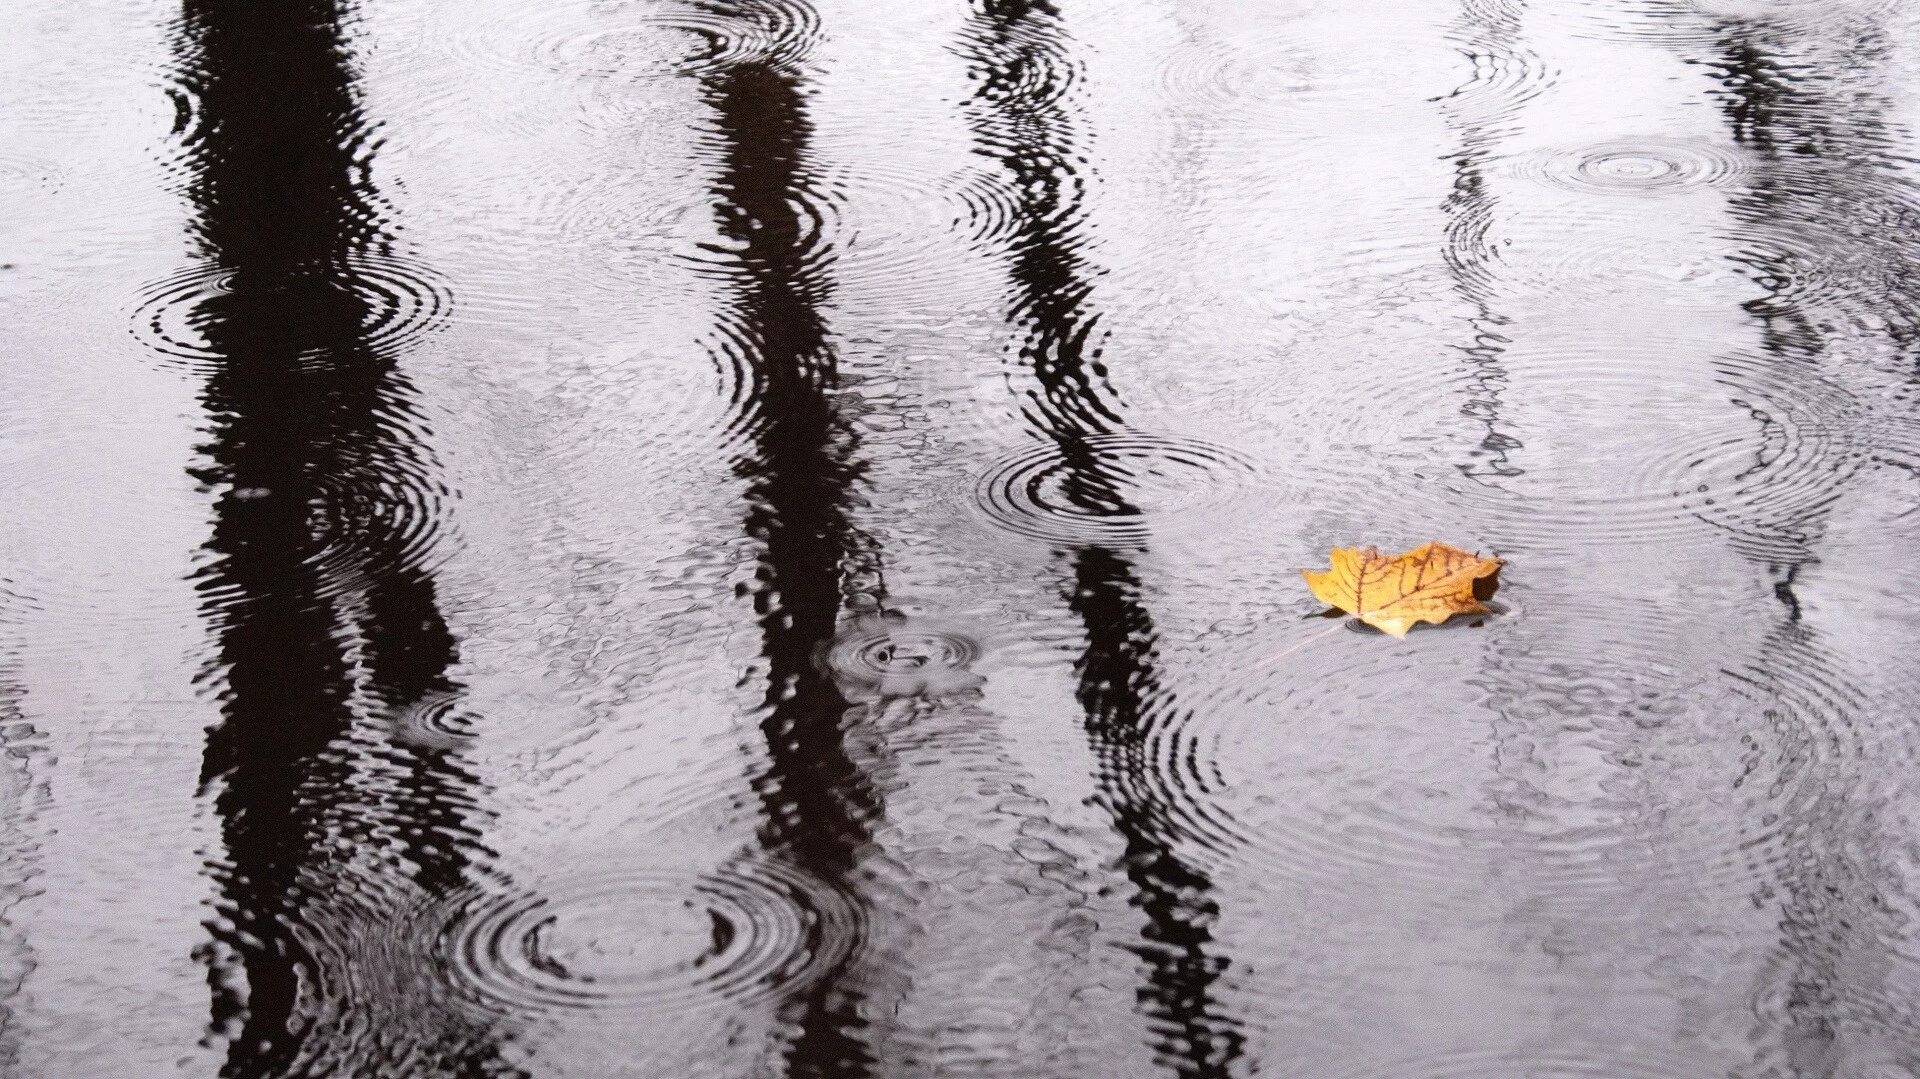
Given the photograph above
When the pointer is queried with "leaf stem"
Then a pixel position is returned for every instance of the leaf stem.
(1298, 645)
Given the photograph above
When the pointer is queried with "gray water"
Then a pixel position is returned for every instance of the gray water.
(739, 538)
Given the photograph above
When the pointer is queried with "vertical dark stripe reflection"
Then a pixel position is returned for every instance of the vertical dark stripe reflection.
(1022, 66)
(1470, 208)
(1815, 137)
(1756, 85)
(800, 477)
(310, 578)
(20, 794)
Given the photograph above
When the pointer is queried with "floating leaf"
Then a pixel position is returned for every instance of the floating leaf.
(1428, 584)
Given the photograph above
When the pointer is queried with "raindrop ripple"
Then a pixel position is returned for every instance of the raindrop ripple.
(646, 941)
(1130, 486)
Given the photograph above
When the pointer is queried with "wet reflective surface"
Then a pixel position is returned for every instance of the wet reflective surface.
(761, 538)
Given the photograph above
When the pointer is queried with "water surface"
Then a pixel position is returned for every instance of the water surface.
(761, 538)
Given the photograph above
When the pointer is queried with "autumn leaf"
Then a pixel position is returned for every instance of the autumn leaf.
(1428, 584)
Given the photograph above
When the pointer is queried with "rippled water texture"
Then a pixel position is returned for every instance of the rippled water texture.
(761, 538)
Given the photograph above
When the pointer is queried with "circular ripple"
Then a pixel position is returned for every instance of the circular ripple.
(1052, 221)
(392, 301)
(1129, 486)
(884, 224)
(1394, 439)
(890, 656)
(877, 228)
(639, 42)
(1504, 77)
(802, 251)
(1830, 279)
(352, 928)
(388, 522)
(1505, 15)
(1386, 267)
(646, 942)
(1770, 481)
(1020, 67)
(390, 528)
(1216, 75)
(1632, 167)
(1583, 779)
(1838, 920)
(1827, 696)
(434, 721)
(1606, 263)
(1747, 447)
(1705, 22)
(1558, 1063)
(591, 212)
(643, 49)
(1803, 13)
(988, 208)
(187, 129)
(1475, 69)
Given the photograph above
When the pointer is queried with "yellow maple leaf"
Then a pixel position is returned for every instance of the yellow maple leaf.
(1427, 584)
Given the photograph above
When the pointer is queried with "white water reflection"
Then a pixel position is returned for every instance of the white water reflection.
(856, 459)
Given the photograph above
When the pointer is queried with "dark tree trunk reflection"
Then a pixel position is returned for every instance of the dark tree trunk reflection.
(1023, 68)
(1470, 208)
(1814, 214)
(324, 615)
(20, 794)
(801, 476)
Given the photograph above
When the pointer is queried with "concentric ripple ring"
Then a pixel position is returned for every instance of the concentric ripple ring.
(392, 302)
(1114, 489)
(1633, 167)
(647, 941)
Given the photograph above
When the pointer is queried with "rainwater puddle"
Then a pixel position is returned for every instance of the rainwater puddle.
(588, 538)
